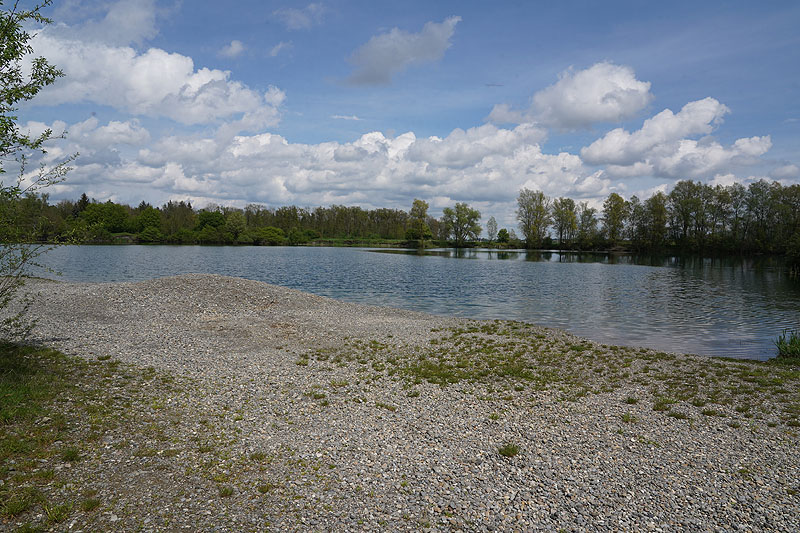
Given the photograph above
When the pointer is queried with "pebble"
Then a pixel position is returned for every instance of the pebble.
(430, 465)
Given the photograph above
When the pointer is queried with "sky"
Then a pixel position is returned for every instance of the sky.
(375, 103)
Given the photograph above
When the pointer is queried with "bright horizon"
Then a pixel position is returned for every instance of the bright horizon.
(313, 104)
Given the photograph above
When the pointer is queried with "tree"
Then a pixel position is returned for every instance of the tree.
(235, 223)
(419, 229)
(491, 229)
(21, 79)
(565, 220)
(656, 215)
(502, 235)
(615, 212)
(533, 214)
(587, 225)
(461, 223)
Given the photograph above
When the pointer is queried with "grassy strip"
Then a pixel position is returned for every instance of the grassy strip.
(54, 411)
(512, 357)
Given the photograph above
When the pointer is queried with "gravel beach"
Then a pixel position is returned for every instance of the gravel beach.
(294, 412)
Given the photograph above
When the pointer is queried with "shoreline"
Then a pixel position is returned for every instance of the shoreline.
(378, 418)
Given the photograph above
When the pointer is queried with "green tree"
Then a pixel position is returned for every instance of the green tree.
(149, 217)
(533, 214)
(587, 226)
(656, 215)
(615, 213)
(215, 219)
(235, 223)
(21, 79)
(502, 235)
(462, 223)
(419, 229)
(491, 229)
(565, 220)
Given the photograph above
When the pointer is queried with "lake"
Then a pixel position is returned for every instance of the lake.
(716, 307)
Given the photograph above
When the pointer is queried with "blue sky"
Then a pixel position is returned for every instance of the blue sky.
(375, 104)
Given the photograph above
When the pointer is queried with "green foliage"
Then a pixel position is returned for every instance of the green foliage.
(533, 214)
(508, 450)
(213, 219)
(502, 236)
(461, 223)
(151, 234)
(565, 220)
(788, 344)
(615, 213)
(149, 217)
(419, 229)
(21, 79)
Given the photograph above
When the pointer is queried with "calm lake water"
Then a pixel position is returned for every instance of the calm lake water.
(719, 307)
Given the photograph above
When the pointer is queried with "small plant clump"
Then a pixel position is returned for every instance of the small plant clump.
(508, 450)
(788, 344)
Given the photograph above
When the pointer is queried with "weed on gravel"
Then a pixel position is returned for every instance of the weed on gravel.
(528, 358)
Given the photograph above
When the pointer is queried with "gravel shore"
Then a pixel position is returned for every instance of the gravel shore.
(320, 415)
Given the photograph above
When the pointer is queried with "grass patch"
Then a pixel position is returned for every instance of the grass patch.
(387, 406)
(788, 344)
(508, 450)
(71, 454)
(56, 408)
(57, 513)
(89, 504)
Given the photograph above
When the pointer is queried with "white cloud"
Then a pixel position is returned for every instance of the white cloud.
(662, 147)
(278, 48)
(604, 92)
(390, 53)
(154, 83)
(620, 147)
(504, 114)
(124, 22)
(345, 117)
(234, 49)
(788, 171)
(484, 166)
(301, 19)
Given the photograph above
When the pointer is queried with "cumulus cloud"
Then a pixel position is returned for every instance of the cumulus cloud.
(234, 49)
(301, 19)
(620, 147)
(154, 83)
(390, 53)
(482, 165)
(661, 146)
(604, 92)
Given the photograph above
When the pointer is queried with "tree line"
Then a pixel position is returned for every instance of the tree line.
(763, 217)
(694, 217)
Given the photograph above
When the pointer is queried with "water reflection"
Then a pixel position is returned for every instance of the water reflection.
(714, 306)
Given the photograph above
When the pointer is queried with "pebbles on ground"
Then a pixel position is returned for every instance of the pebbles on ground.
(310, 445)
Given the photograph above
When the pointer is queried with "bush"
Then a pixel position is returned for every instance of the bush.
(151, 234)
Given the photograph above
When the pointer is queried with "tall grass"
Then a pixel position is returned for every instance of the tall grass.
(788, 344)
